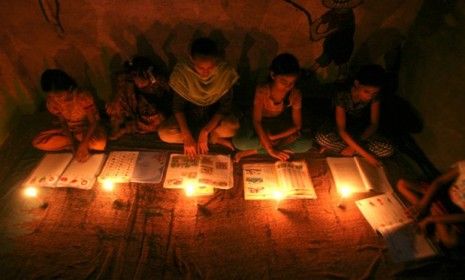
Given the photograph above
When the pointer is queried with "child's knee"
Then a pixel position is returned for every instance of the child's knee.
(227, 128)
(241, 143)
(303, 145)
(170, 135)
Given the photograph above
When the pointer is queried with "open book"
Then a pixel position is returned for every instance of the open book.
(134, 166)
(387, 216)
(289, 179)
(61, 170)
(357, 175)
(203, 173)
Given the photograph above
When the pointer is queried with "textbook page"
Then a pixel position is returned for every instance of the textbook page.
(119, 166)
(216, 170)
(388, 216)
(48, 170)
(374, 177)
(346, 174)
(82, 175)
(294, 179)
(260, 181)
(405, 243)
(149, 167)
(182, 170)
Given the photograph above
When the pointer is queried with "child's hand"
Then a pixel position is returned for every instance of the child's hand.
(280, 155)
(202, 145)
(190, 146)
(82, 153)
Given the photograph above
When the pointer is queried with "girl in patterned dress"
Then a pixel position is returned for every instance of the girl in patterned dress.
(142, 99)
(80, 129)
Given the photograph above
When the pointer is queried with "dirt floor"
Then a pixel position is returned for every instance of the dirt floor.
(147, 232)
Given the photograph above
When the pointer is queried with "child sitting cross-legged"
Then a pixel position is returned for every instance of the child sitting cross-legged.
(80, 129)
(276, 115)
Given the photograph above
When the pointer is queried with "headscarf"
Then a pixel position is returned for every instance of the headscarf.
(202, 91)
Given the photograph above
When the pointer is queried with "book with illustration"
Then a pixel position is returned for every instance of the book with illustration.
(61, 170)
(291, 180)
(356, 174)
(201, 172)
(134, 166)
(387, 215)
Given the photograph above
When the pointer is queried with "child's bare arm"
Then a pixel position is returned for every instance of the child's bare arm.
(447, 219)
(374, 120)
(341, 127)
(67, 132)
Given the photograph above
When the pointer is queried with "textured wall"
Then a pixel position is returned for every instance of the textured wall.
(89, 39)
(433, 79)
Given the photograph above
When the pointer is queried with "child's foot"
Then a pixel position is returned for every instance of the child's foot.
(242, 154)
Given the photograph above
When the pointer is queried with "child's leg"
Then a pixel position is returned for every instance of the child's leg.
(52, 140)
(245, 139)
(299, 145)
(223, 133)
(330, 140)
(379, 146)
(246, 142)
(170, 132)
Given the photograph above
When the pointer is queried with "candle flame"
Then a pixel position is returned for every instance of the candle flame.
(189, 189)
(345, 191)
(31, 191)
(278, 195)
(108, 185)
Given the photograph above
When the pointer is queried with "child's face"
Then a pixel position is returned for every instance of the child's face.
(284, 82)
(204, 66)
(365, 93)
(141, 82)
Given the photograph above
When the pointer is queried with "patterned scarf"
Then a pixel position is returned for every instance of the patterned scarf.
(202, 92)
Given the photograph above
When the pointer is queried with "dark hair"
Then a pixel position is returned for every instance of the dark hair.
(139, 66)
(371, 75)
(204, 48)
(285, 64)
(56, 80)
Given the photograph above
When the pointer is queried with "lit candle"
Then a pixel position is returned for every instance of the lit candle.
(108, 185)
(33, 198)
(278, 196)
(31, 191)
(189, 189)
(345, 192)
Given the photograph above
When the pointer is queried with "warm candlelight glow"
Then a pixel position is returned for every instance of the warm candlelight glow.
(278, 195)
(31, 191)
(108, 185)
(345, 191)
(189, 189)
